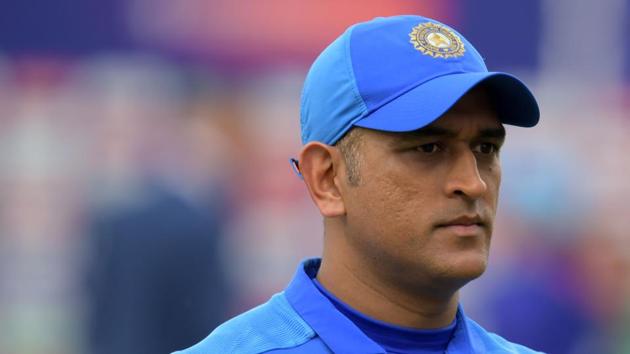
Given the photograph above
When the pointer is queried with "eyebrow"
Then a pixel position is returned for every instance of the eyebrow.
(497, 133)
(432, 131)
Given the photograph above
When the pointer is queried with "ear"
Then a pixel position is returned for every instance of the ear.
(322, 167)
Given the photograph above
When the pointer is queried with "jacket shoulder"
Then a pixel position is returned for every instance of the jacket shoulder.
(494, 343)
(272, 325)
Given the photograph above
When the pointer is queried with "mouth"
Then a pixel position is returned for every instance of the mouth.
(464, 226)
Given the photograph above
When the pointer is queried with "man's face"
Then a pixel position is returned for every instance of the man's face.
(424, 207)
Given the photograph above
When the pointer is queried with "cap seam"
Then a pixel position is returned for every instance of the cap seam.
(354, 87)
(350, 69)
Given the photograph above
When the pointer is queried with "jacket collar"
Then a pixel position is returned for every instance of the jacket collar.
(336, 330)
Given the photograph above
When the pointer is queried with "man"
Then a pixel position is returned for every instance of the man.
(402, 126)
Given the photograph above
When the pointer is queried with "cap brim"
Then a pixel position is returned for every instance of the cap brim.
(424, 104)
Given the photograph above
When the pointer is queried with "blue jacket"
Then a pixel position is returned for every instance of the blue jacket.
(302, 320)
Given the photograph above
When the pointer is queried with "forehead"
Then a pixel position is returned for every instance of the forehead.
(473, 110)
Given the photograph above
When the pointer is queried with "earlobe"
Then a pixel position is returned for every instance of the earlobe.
(320, 165)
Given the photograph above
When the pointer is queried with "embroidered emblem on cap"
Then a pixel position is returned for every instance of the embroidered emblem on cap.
(436, 40)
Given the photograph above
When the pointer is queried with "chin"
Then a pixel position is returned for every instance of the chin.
(467, 267)
(452, 274)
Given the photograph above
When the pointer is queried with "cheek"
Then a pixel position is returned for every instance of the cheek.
(392, 209)
(492, 178)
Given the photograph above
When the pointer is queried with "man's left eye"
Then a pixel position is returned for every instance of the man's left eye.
(486, 148)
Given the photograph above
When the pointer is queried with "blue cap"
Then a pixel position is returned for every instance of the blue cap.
(400, 74)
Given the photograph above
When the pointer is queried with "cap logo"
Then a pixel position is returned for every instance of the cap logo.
(436, 40)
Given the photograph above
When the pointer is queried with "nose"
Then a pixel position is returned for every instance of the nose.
(464, 178)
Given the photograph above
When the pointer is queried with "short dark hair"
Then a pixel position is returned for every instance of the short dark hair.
(349, 146)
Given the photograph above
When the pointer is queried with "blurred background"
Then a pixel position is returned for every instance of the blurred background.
(146, 194)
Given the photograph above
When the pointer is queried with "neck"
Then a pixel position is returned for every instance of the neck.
(364, 289)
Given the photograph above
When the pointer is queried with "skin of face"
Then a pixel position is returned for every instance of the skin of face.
(399, 244)
(422, 215)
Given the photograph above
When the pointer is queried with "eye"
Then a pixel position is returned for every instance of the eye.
(429, 148)
(486, 148)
